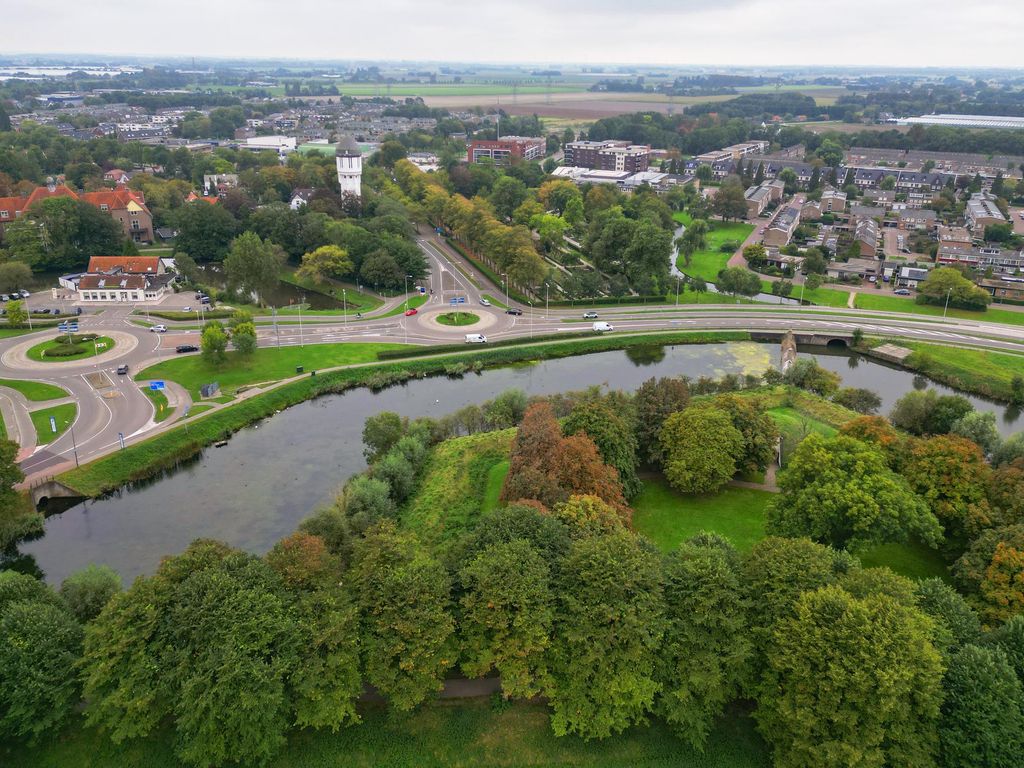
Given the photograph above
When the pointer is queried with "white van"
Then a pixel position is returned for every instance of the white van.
(601, 327)
(476, 338)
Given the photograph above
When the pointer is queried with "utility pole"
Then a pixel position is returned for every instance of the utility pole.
(950, 291)
(302, 300)
(344, 304)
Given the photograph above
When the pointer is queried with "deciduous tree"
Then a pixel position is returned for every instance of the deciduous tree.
(87, 591)
(701, 447)
(655, 401)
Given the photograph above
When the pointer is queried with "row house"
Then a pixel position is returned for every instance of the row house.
(761, 196)
(865, 236)
(981, 211)
(1006, 289)
(980, 258)
(781, 230)
(921, 218)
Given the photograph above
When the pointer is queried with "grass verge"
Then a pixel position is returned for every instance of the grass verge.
(161, 408)
(266, 364)
(36, 391)
(62, 415)
(894, 304)
(458, 319)
(97, 347)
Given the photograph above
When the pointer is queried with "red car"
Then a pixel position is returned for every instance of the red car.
(410, 312)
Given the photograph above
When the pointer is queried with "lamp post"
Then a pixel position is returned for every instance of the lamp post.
(546, 299)
(677, 290)
(74, 444)
(531, 319)
(406, 292)
(344, 305)
(950, 291)
(504, 279)
(302, 300)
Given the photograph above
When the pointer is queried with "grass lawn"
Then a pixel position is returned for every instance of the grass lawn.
(826, 297)
(795, 426)
(495, 480)
(668, 517)
(3, 428)
(914, 560)
(356, 300)
(975, 370)
(443, 734)
(458, 318)
(62, 414)
(7, 333)
(495, 302)
(161, 408)
(102, 345)
(886, 303)
(415, 301)
(710, 261)
(35, 391)
(264, 365)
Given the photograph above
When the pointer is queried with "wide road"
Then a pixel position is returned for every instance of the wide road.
(111, 406)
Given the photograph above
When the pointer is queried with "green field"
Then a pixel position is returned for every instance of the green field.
(62, 414)
(795, 426)
(36, 391)
(195, 410)
(495, 481)
(668, 517)
(356, 300)
(914, 560)
(495, 302)
(96, 348)
(439, 735)
(264, 365)
(161, 408)
(886, 303)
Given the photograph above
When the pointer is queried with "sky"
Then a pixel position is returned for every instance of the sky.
(940, 33)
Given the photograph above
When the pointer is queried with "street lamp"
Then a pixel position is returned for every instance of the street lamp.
(302, 300)
(547, 286)
(344, 305)
(531, 319)
(950, 291)
(504, 279)
(677, 290)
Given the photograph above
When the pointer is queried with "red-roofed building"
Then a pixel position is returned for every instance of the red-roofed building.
(126, 206)
(117, 176)
(211, 199)
(132, 265)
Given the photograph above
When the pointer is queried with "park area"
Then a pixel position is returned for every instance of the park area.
(707, 263)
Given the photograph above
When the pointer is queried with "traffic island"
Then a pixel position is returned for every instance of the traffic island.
(73, 346)
(458, 319)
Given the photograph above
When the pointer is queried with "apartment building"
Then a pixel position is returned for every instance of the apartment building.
(608, 155)
(761, 196)
(782, 228)
(982, 211)
(507, 149)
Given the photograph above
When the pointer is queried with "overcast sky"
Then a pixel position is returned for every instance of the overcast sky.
(952, 33)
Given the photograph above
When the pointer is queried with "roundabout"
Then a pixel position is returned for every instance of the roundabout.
(28, 355)
(79, 347)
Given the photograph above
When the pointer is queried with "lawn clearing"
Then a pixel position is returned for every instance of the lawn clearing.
(264, 365)
(707, 263)
(63, 415)
(795, 426)
(35, 391)
(495, 481)
(92, 348)
(161, 408)
(974, 370)
(436, 735)
(668, 517)
(914, 560)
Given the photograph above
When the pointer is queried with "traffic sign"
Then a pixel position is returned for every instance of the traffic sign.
(156, 385)
(120, 439)
(53, 424)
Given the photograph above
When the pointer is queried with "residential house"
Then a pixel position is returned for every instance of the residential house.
(865, 236)
(833, 201)
(761, 196)
(909, 277)
(126, 206)
(1007, 289)
(781, 230)
(300, 197)
(954, 236)
(117, 176)
(922, 218)
(855, 268)
(982, 211)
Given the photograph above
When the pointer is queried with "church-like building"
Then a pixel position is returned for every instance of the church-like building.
(349, 160)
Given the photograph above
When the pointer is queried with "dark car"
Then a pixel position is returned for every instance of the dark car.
(513, 311)
(122, 370)
(183, 348)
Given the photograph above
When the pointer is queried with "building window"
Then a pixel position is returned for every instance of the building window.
(3, 214)
(104, 207)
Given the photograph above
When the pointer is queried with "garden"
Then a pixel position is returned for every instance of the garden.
(73, 346)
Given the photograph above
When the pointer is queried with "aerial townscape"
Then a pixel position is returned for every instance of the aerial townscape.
(381, 387)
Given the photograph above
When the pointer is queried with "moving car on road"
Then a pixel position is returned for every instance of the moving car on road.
(484, 303)
(513, 311)
(902, 292)
(411, 311)
(601, 327)
(122, 370)
(158, 329)
(476, 338)
(183, 348)
(591, 315)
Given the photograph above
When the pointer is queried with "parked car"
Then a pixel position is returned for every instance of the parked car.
(476, 338)
(183, 348)
(590, 315)
(199, 295)
(122, 370)
(4, 297)
(602, 327)
(205, 300)
(484, 303)
(902, 292)
(513, 311)
(411, 311)
(158, 329)
(24, 294)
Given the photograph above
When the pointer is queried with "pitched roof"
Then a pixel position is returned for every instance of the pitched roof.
(126, 264)
(115, 199)
(44, 193)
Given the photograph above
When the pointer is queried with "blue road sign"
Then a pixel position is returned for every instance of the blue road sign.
(454, 302)
(462, 299)
(156, 385)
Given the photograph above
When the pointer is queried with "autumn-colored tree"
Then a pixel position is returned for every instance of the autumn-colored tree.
(303, 561)
(991, 571)
(612, 432)
(589, 515)
(550, 468)
(950, 473)
(878, 431)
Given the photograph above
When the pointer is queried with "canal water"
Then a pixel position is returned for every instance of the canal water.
(257, 488)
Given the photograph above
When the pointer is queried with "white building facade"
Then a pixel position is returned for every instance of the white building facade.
(349, 161)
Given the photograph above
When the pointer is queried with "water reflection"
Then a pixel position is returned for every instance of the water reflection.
(257, 488)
